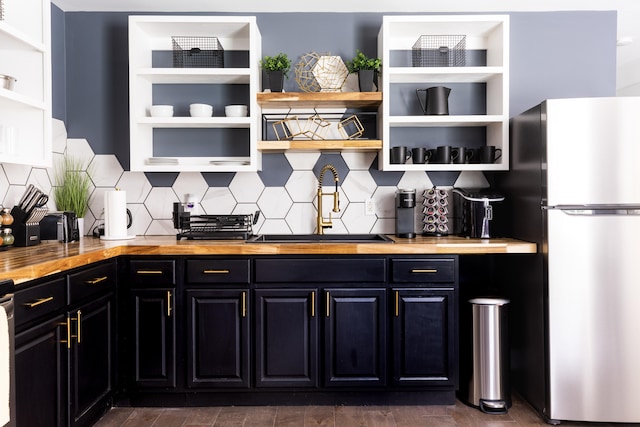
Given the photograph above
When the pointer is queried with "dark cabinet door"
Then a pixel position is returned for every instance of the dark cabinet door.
(424, 337)
(355, 337)
(90, 359)
(41, 373)
(154, 338)
(218, 338)
(286, 338)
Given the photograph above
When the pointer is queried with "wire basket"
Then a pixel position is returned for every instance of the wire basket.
(439, 51)
(197, 52)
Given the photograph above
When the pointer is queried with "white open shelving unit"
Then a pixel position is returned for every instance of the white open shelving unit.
(488, 33)
(149, 34)
(25, 111)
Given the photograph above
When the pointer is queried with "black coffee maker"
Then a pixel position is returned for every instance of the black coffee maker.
(405, 216)
(473, 212)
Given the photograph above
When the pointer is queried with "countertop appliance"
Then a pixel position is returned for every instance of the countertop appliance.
(473, 212)
(405, 217)
(574, 189)
(61, 226)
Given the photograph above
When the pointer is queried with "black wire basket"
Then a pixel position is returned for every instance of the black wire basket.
(439, 51)
(197, 52)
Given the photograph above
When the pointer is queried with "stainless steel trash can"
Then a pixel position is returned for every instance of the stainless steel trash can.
(489, 388)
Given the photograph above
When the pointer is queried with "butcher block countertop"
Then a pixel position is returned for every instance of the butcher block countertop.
(27, 263)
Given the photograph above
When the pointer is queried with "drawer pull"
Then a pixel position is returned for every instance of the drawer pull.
(225, 271)
(425, 270)
(328, 303)
(78, 319)
(168, 303)
(149, 272)
(96, 280)
(244, 304)
(397, 304)
(313, 303)
(37, 302)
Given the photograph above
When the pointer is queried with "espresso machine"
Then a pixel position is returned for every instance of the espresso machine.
(405, 216)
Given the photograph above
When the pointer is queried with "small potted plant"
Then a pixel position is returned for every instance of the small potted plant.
(72, 187)
(367, 69)
(276, 68)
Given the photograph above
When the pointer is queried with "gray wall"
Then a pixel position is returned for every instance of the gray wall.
(553, 55)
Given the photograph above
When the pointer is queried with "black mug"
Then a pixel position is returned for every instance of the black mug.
(420, 155)
(487, 154)
(463, 155)
(400, 155)
(445, 154)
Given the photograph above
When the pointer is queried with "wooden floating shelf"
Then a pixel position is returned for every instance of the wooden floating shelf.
(323, 145)
(319, 99)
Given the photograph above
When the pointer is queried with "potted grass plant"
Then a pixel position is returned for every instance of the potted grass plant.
(72, 187)
(367, 69)
(277, 69)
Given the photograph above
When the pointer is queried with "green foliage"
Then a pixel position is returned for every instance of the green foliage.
(363, 62)
(280, 62)
(72, 186)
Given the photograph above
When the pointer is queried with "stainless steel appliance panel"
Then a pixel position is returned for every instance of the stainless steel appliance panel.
(592, 150)
(593, 304)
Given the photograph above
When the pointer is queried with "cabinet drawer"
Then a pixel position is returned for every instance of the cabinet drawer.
(91, 281)
(436, 270)
(152, 272)
(40, 300)
(325, 270)
(218, 271)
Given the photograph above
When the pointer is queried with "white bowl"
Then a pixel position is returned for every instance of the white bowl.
(235, 110)
(200, 110)
(161, 110)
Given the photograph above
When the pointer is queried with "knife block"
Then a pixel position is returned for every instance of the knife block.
(24, 234)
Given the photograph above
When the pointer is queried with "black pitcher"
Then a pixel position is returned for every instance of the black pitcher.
(436, 100)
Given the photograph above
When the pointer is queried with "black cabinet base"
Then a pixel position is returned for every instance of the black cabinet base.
(440, 397)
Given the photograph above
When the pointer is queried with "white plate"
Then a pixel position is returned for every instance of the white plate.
(229, 162)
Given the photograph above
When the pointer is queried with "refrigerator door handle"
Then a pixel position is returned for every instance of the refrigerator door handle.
(586, 210)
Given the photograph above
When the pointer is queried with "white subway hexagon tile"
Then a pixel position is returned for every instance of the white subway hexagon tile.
(17, 174)
(274, 202)
(302, 186)
(302, 161)
(275, 226)
(161, 227)
(136, 185)
(80, 149)
(13, 195)
(40, 178)
(327, 201)
(246, 187)
(218, 201)
(58, 136)
(4, 186)
(301, 218)
(355, 220)
(140, 219)
(192, 183)
(105, 170)
(249, 208)
(338, 227)
(359, 186)
(89, 223)
(358, 160)
(471, 179)
(417, 180)
(160, 202)
(384, 202)
(96, 202)
(384, 226)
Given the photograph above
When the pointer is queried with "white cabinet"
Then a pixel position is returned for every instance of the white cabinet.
(181, 142)
(25, 111)
(479, 111)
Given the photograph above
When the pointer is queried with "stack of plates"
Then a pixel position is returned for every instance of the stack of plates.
(162, 161)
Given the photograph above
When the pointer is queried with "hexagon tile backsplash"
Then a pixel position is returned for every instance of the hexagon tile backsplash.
(286, 196)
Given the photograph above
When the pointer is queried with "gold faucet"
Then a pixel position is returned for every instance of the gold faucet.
(321, 224)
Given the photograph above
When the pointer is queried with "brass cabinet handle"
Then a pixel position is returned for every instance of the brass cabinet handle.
(244, 304)
(168, 303)
(397, 304)
(67, 324)
(96, 280)
(224, 271)
(37, 302)
(328, 299)
(313, 303)
(427, 270)
(148, 271)
(79, 320)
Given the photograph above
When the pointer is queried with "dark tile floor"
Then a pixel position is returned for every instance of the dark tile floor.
(520, 414)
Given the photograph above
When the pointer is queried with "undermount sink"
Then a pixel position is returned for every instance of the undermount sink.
(320, 238)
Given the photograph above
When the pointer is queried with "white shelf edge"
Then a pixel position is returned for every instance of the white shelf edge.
(446, 167)
(196, 122)
(9, 33)
(444, 121)
(443, 74)
(195, 75)
(18, 98)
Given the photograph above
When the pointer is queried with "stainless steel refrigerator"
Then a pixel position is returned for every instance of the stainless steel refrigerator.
(574, 189)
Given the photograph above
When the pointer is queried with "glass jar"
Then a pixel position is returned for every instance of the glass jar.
(7, 237)
(5, 217)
